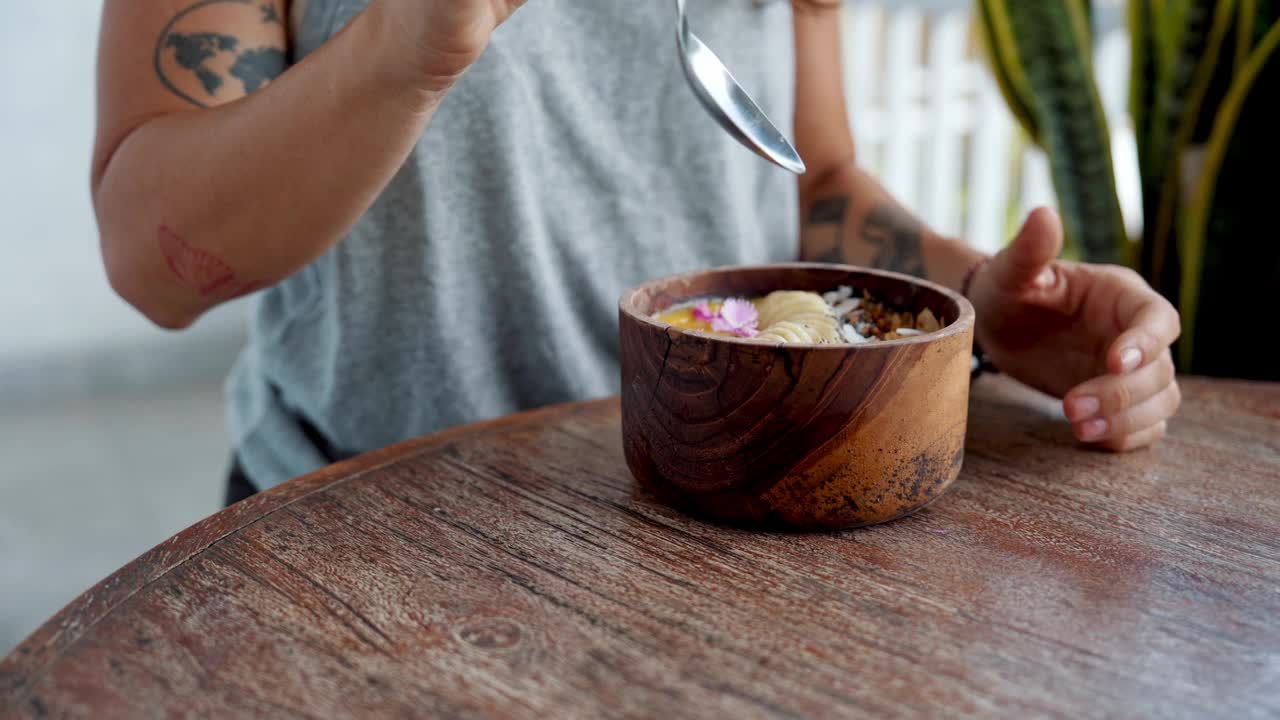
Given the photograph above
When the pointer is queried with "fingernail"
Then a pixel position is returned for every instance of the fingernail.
(1091, 430)
(1084, 407)
(1045, 278)
(1130, 359)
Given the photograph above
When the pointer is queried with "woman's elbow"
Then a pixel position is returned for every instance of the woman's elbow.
(129, 282)
(167, 318)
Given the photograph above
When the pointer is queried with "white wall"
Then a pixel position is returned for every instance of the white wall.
(61, 327)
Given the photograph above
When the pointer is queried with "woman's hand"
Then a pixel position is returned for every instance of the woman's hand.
(1095, 335)
(442, 38)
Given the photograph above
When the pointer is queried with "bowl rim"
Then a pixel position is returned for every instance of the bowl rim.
(963, 323)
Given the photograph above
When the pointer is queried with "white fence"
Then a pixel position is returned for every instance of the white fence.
(930, 122)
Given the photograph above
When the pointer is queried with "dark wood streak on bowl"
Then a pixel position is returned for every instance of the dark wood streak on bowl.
(797, 436)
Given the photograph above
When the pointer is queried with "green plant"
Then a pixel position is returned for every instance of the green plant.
(1205, 107)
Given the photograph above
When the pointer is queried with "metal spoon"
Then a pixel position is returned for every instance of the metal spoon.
(728, 103)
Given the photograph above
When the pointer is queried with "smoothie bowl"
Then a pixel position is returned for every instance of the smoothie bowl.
(800, 396)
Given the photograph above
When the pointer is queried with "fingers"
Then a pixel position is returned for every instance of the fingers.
(1153, 325)
(1109, 395)
(1123, 412)
(1025, 262)
(1137, 440)
(1134, 426)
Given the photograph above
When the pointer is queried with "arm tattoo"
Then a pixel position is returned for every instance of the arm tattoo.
(898, 238)
(829, 214)
(214, 59)
(255, 68)
(197, 269)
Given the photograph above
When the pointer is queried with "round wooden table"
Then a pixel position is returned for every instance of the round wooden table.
(512, 569)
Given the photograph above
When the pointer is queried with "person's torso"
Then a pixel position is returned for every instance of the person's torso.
(570, 162)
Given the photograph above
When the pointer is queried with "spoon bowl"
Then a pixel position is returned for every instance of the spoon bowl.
(728, 103)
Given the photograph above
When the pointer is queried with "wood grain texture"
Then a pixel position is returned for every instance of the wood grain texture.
(513, 569)
(794, 436)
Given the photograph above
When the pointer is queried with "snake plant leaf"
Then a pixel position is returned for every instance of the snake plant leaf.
(995, 35)
(1179, 29)
(1171, 18)
(1053, 79)
(1143, 76)
(1206, 27)
(1246, 16)
(1090, 28)
(1198, 124)
(1228, 228)
(1181, 34)
(1256, 17)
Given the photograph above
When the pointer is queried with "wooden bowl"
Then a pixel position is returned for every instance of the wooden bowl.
(794, 436)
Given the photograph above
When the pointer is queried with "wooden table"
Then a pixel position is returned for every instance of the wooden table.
(512, 569)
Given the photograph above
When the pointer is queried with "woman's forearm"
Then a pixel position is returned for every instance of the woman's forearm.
(848, 217)
(198, 207)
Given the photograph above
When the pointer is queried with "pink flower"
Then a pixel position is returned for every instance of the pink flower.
(702, 312)
(738, 317)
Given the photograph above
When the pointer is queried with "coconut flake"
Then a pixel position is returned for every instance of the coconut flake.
(850, 335)
(843, 292)
(844, 307)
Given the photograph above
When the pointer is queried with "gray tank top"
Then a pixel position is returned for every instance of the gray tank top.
(569, 163)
